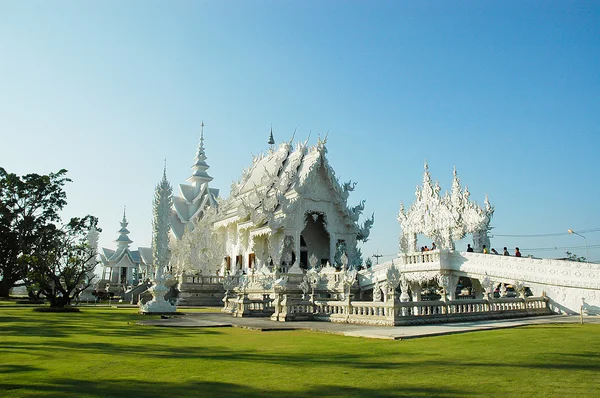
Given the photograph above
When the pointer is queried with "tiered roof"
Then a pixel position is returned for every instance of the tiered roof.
(110, 257)
(195, 196)
(268, 189)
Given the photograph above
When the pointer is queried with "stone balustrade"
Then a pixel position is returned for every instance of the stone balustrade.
(394, 313)
(421, 257)
(203, 279)
(245, 305)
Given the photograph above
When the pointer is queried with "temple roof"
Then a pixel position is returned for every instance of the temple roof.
(195, 196)
(269, 187)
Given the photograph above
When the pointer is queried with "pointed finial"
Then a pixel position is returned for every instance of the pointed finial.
(271, 139)
(124, 209)
(455, 171)
(165, 170)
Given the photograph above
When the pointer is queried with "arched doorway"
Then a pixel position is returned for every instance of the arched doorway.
(315, 238)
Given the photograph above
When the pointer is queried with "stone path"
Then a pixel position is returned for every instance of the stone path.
(199, 320)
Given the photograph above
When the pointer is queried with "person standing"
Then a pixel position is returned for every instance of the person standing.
(469, 248)
(485, 250)
(517, 252)
(506, 253)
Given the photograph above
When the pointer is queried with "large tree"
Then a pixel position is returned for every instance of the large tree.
(29, 207)
(63, 271)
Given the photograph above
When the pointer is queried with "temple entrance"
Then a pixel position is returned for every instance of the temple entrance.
(303, 253)
(464, 289)
(123, 275)
(315, 239)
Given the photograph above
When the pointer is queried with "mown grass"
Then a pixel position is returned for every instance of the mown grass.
(100, 352)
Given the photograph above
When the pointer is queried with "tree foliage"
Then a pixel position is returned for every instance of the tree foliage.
(63, 271)
(56, 262)
(29, 207)
(574, 257)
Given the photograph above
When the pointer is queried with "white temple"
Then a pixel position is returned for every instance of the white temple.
(124, 267)
(287, 206)
(284, 245)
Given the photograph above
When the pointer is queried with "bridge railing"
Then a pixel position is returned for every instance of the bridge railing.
(430, 256)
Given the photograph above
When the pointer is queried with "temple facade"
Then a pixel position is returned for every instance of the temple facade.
(286, 207)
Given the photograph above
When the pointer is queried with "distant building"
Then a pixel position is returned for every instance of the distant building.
(124, 267)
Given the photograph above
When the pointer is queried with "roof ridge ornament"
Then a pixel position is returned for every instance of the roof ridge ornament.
(271, 139)
(123, 239)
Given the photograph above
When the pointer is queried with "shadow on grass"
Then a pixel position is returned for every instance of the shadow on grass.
(12, 368)
(131, 388)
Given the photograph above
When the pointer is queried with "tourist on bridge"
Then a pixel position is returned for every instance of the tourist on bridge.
(506, 253)
(469, 248)
(494, 251)
(517, 252)
(433, 246)
(485, 250)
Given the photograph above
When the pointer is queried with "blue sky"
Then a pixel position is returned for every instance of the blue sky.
(508, 92)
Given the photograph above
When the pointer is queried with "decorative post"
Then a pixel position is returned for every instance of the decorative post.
(393, 278)
(313, 280)
(163, 199)
(404, 296)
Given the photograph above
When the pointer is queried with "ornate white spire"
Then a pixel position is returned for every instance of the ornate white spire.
(123, 239)
(161, 223)
(271, 139)
(195, 197)
(200, 166)
(160, 247)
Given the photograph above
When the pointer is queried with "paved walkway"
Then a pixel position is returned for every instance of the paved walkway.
(376, 332)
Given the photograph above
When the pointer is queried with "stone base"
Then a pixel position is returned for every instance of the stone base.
(195, 294)
(158, 308)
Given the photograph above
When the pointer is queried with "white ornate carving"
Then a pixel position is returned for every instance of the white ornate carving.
(160, 250)
(444, 219)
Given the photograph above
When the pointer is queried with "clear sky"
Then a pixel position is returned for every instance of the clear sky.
(508, 92)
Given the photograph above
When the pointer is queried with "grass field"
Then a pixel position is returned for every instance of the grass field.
(100, 352)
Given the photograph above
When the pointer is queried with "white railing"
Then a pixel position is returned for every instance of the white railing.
(203, 279)
(396, 313)
(421, 257)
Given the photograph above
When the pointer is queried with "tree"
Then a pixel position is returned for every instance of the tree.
(62, 271)
(29, 207)
(575, 257)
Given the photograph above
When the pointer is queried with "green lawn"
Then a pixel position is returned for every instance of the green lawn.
(100, 352)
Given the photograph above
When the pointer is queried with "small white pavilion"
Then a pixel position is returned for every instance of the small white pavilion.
(124, 267)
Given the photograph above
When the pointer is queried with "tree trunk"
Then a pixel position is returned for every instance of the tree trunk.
(5, 285)
(59, 302)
